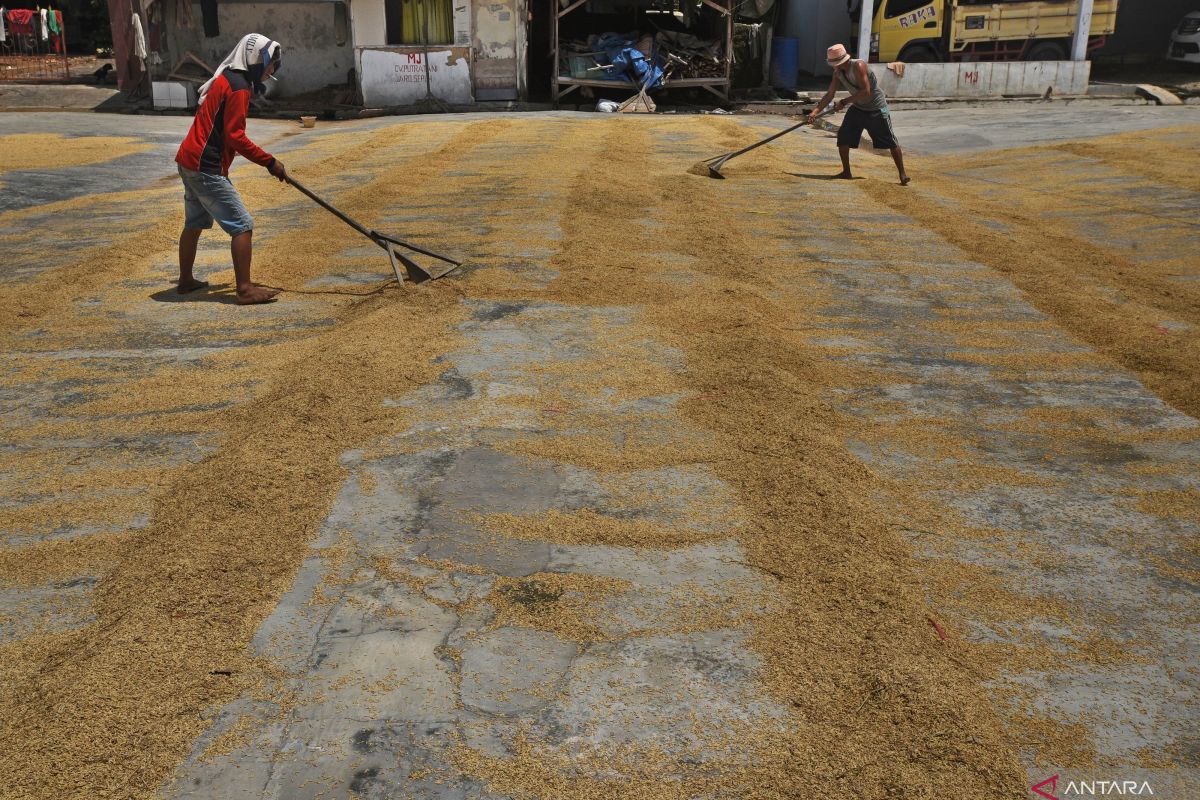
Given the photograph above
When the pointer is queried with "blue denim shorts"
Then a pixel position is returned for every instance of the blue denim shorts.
(208, 197)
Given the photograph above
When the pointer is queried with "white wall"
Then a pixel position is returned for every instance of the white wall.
(494, 48)
(396, 77)
(312, 59)
(985, 79)
(369, 23)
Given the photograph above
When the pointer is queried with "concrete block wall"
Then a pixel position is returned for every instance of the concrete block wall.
(985, 79)
(312, 58)
(396, 77)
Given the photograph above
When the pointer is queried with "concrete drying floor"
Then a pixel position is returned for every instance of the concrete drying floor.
(392, 663)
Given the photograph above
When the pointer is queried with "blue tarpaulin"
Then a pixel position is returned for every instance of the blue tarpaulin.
(628, 63)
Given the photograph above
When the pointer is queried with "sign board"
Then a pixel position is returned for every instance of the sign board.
(397, 76)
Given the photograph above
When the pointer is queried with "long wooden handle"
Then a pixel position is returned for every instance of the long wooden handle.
(415, 248)
(332, 209)
(771, 138)
(380, 239)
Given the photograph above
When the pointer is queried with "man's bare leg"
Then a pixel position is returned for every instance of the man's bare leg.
(187, 259)
(898, 157)
(844, 152)
(242, 246)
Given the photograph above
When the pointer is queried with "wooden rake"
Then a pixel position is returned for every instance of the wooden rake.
(394, 247)
(715, 163)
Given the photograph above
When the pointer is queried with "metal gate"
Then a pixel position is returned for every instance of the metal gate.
(32, 50)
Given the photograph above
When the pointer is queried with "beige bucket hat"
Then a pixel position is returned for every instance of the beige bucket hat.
(836, 55)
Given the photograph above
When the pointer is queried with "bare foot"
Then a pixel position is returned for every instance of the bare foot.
(255, 294)
(844, 175)
(904, 179)
(191, 285)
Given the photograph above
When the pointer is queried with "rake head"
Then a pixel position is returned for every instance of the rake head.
(401, 252)
(714, 168)
(710, 168)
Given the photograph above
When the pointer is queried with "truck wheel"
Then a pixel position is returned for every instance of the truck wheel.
(1047, 51)
(919, 54)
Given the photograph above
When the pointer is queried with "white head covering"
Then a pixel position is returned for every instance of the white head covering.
(254, 50)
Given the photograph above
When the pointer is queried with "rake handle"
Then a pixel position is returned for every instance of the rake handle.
(415, 248)
(332, 209)
(374, 236)
(769, 139)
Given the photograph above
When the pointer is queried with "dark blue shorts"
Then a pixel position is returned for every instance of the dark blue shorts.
(876, 123)
(212, 197)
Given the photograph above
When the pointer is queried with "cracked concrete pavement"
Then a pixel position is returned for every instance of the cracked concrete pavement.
(387, 632)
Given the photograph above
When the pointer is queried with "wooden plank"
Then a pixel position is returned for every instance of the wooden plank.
(729, 45)
(597, 82)
(674, 83)
(1158, 94)
(574, 6)
(678, 82)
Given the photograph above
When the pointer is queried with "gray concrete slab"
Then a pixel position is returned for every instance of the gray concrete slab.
(395, 633)
(454, 667)
(965, 129)
(413, 610)
(1081, 521)
(26, 98)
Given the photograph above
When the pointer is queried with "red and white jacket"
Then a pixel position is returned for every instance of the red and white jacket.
(219, 130)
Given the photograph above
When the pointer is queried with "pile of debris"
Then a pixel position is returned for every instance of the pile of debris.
(647, 60)
(690, 56)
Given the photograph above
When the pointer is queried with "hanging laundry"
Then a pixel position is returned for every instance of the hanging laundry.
(3, 29)
(21, 22)
(139, 38)
(60, 44)
(183, 14)
(154, 26)
(45, 27)
(52, 20)
(625, 61)
(208, 9)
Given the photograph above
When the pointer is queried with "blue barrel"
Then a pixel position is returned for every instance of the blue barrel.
(785, 62)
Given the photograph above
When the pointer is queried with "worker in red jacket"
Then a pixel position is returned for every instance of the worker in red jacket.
(218, 133)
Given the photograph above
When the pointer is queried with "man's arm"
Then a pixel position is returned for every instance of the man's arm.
(824, 101)
(863, 80)
(235, 133)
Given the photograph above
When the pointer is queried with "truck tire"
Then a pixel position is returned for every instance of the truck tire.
(1046, 51)
(919, 54)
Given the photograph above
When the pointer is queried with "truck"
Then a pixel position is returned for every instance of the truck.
(918, 31)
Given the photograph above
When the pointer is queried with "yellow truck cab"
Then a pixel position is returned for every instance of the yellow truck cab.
(917, 31)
